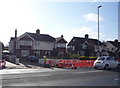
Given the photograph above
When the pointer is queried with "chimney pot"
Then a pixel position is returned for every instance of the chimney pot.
(116, 40)
(15, 33)
(37, 31)
(86, 36)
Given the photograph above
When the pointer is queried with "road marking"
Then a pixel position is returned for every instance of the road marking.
(117, 79)
(89, 71)
(19, 71)
(15, 77)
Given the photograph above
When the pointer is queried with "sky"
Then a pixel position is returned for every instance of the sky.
(61, 17)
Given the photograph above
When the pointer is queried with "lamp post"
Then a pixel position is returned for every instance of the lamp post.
(98, 29)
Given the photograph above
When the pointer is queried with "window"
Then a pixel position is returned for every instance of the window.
(111, 58)
(73, 48)
(37, 43)
(47, 42)
(112, 49)
(68, 47)
(61, 45)
(84, 46)
(108, 49)
(25, 53)
(82, 53)
(108, 58)
(23, 42)
(37, 53)
(101, 58)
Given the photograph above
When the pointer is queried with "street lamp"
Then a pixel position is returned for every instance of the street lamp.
(98, 29)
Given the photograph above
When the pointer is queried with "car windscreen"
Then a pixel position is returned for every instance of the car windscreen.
(101, 58)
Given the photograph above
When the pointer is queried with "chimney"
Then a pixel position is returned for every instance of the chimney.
(86, 36)
(37, 31)
(61, 36)
(116, 42)
(15, 33)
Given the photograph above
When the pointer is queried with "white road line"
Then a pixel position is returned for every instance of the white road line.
(19, 71)
(117, 79)
(89, 71)
(13, 77)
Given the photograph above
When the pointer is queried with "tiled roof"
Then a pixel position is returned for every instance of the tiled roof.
(116, 44)
(81, 40)
(61, 39)
(41, 37)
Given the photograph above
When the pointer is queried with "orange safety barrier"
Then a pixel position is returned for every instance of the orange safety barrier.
(64, 63)
(51, 63)
(88, 63)
(74, 63)
(71, 63)
(82, 63)
(92, 62)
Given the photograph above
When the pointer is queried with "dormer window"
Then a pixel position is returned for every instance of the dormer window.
(84, 46)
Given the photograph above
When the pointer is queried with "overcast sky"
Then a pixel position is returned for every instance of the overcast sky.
(66, 18)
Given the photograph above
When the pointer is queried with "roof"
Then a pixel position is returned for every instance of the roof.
(81, 40)
(61, 39)
(116, 44)
(41, 37)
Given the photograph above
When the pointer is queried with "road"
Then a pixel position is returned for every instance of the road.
(63, 77)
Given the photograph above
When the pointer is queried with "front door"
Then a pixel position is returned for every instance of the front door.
(37, 53)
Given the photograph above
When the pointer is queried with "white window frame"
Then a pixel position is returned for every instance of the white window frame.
(24, 53)
(25, 42)
(61, 45)
(37, 43)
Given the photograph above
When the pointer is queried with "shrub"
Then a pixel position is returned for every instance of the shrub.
(74, 56)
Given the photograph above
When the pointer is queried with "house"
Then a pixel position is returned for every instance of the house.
(31, 44)
(34, 44)
(84, 46)
(112, 48)
(60, 46)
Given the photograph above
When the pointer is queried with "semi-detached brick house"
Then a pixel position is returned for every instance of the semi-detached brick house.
(84, 46)
(33, 44)
(112, 48)
(60, 46)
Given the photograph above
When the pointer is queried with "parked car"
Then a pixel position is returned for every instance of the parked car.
(32, 58)
(105, 62)
(5, 54)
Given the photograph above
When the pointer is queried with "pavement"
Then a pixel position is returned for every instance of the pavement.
(10, 65)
